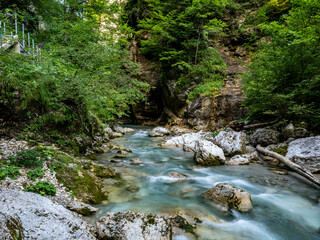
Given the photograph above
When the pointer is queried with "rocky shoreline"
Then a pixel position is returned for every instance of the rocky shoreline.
(80, 181)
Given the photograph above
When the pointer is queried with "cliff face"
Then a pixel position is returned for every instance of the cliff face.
(166, 105)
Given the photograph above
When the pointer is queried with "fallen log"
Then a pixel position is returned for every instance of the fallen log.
(293, 166)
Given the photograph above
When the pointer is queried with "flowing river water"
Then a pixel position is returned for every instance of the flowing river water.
(284, 206)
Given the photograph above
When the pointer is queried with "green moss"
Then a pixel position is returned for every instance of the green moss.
(282, 150)
(85, 185)
(183, 224)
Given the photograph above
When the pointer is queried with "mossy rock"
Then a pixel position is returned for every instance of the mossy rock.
(85, 185)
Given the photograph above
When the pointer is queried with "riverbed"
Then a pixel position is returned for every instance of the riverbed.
(284, 206)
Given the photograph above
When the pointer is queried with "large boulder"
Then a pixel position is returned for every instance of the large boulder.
(31, 216)
(159, 132)
(232, 142)
(208, 154)
(188, 141)
(134, 226)
(230, 197)
(305, 152)
(264, 137)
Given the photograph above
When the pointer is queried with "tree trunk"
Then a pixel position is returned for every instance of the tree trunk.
(293, 166)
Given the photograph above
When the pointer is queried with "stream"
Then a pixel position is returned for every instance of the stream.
(284, 206)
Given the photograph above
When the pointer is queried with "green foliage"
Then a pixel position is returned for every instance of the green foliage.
(43, 188)
(27, 158)
(284, 78)
(37, 173)
(84, 69)
(10, 172)
(178, 36)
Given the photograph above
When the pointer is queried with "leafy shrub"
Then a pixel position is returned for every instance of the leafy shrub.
(27, 158)
(42, 188)
(10, 172)
(37, 173)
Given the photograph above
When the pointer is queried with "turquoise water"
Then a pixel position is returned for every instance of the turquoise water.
(284, 207)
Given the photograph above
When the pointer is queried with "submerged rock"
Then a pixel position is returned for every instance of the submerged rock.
(135, 161)
(82, 208)
(305, 152)
(264, 137)
(159, 132)
(230, 197)
(232, 142)
(176, 175)
(134, 226)
(31, 216)
(209, 154)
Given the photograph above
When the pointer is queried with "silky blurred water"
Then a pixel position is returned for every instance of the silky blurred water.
(284, 207)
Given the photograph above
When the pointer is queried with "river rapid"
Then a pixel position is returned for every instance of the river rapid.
(284, 206)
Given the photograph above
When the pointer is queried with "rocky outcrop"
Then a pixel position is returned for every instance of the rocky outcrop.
(305, 152)
(133, 226)
(159, 132)
(230, 197)
(208, 154)
(264, 137)
(232, 142)
(31, 216)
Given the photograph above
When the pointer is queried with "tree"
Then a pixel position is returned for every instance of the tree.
(284, 78)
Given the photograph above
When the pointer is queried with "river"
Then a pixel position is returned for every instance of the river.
(284, 206)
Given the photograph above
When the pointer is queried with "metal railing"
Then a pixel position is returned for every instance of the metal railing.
(26, 43)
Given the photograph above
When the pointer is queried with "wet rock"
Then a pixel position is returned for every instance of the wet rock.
(264, 137)
(133, 226)
(208, 154)
(119, 156)
(82, 208)
(159, 132)
(230, 197)
(232, 142)
(238, 160)
(124, 151)
(135, 161)
(36, 217)
(176, 175)
(132, 189)
(306, 152)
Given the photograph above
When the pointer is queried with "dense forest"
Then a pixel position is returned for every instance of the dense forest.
(85, 76)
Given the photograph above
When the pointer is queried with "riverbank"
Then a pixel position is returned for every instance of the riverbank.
(140, 175)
